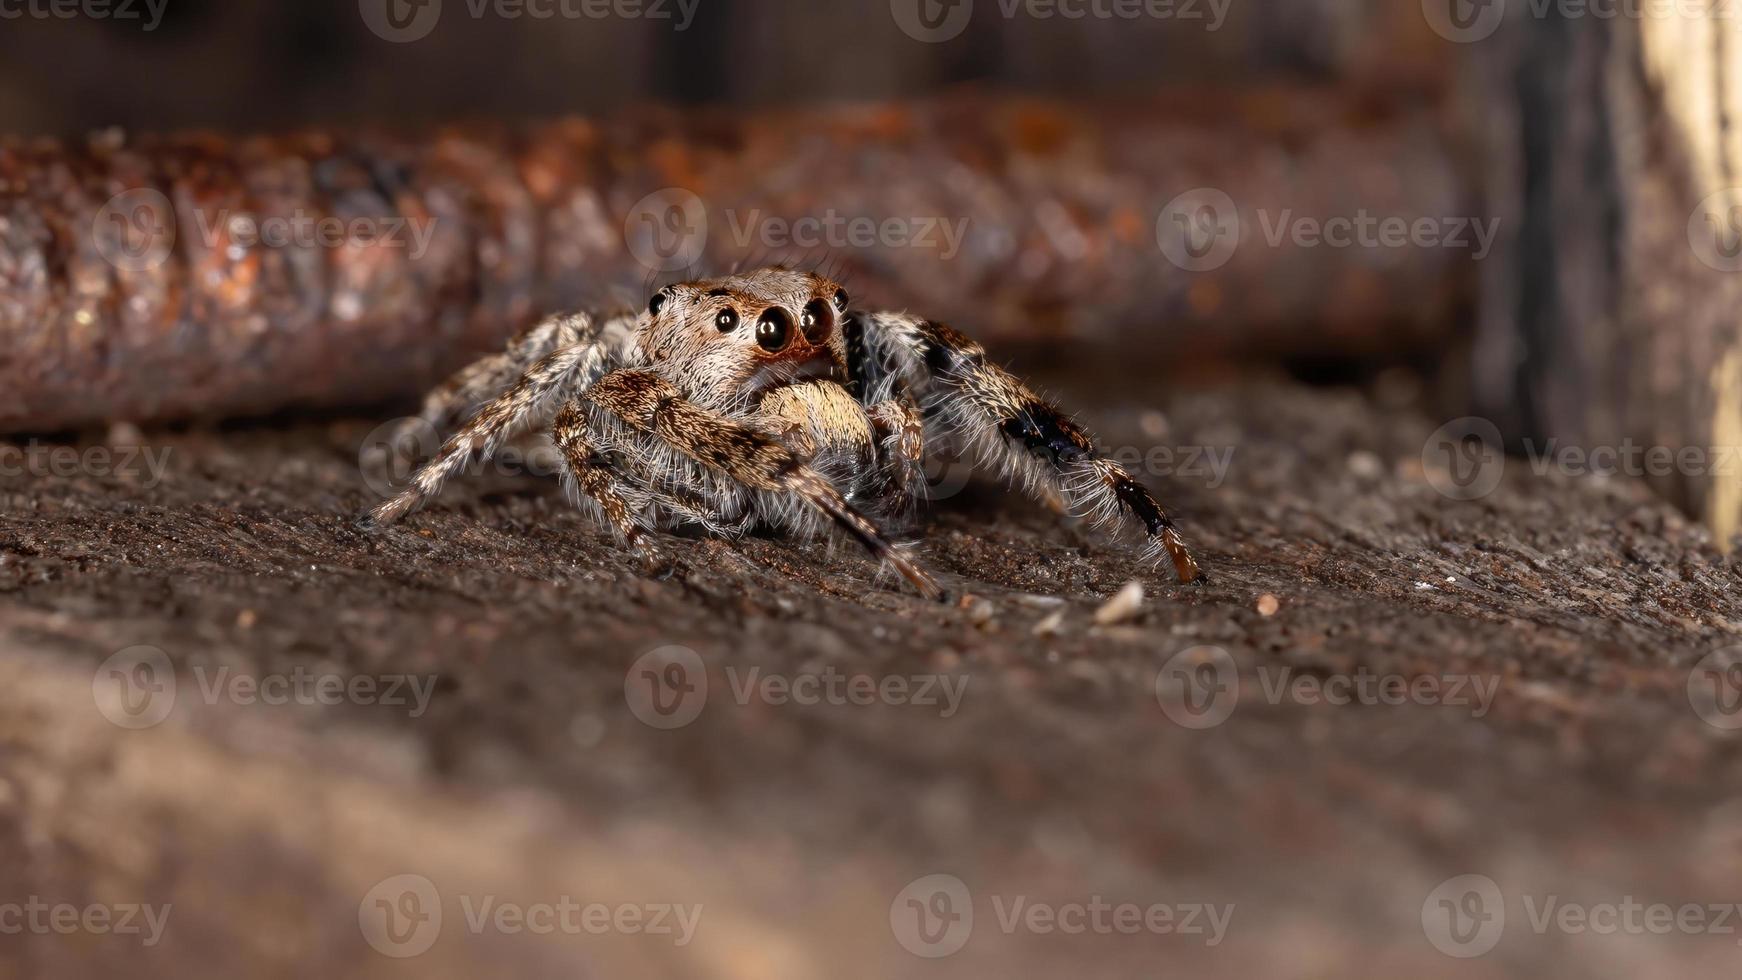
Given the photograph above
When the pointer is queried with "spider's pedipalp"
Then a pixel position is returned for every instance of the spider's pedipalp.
(651, 404)
(900, 430)
(1010, 427)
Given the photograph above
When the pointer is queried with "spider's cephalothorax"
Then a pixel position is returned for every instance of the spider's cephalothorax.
(761, 399)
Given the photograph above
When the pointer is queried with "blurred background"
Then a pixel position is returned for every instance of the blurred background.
(265, 67)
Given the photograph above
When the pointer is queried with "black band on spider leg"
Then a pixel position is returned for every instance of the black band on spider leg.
(1141, 504)
(1046, 432)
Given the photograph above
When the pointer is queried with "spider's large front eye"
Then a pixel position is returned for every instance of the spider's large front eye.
(816, 320)
(657, 303)
(727, 321)
(773, 329)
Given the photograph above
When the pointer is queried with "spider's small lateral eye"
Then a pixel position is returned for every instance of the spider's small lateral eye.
(816, 320)
(841, 301)
(657, 303)
(727, 321)
(773, 329)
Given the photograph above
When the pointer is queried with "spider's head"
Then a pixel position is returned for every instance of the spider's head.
(729, 341)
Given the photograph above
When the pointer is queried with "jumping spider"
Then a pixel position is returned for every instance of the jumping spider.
(763, 399)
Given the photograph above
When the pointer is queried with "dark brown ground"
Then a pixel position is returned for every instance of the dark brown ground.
(1060, 778)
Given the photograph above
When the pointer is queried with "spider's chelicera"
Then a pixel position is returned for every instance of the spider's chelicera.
(763, 399)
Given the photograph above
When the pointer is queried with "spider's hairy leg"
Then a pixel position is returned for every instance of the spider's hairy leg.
(449, 403)
(651, 404)
(528, 402)
(586, 471)
(1015, 429)
(900, 430)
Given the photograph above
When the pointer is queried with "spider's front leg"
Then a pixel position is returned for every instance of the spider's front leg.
(1011, 427)
(454, 400)
(651, 404)
(526, 403)
(586, 472)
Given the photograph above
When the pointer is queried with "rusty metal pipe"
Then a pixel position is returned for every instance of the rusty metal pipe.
(147, 278)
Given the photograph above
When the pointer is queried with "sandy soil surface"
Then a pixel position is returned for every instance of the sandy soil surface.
(494, 750)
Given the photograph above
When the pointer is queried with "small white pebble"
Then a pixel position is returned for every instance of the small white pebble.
(1052, 625)
(124, 434)
(1268, 604)
(980, 611)
(1125, 605)
(1423, 587)
(1365, 465)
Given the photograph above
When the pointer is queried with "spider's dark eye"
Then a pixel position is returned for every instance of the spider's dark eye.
(657, 303)
(773, 329)
(841, 301)
(816, 321)
(727, 321)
